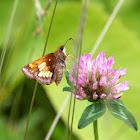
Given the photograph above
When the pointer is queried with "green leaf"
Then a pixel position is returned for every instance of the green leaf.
(68, 89)
(116, 101)
(91, 113)
(119, 111)
(67, 78)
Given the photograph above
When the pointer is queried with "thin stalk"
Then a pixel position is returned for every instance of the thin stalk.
(8, 34)
(57, 118)
(34, 93)
(75, 91)
(31, 106)
(80, 49)
(15, 106)
(48, 6)
(50, 27)
(68, 120)
(95, 127)
(105, 29)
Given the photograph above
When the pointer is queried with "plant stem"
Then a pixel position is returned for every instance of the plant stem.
(31, 106)
(50, 27)
(68, 120)
(79, 43)
(95, 127)
(106, 27)
(8, 35)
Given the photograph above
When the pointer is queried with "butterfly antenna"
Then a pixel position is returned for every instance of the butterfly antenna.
(68, 41)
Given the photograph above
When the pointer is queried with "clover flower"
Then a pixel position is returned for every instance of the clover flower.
(97, 79)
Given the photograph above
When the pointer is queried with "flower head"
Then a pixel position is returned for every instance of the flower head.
(97, 79)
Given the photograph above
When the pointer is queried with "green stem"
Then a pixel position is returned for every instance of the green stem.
(95, 127)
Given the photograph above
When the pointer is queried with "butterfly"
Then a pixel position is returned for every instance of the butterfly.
(49, 68)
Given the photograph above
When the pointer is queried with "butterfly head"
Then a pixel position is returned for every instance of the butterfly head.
(62, 49)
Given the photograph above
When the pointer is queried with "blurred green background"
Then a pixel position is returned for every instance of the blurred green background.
(25, 46)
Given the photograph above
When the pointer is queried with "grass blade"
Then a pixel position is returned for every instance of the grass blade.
(8, 34)
(105, 29)
(79, 42)
(57, 118)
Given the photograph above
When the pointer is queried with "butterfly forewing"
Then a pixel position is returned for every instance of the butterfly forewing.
(42, 69)
(29, 69)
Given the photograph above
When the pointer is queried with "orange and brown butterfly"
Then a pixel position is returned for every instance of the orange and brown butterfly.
(49, 68)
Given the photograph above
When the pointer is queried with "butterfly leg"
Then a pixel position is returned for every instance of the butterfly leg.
(70, 55)
(69, 58)
(67, 70)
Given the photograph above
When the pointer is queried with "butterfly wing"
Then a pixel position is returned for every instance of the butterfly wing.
(29, 69)
(42, 69)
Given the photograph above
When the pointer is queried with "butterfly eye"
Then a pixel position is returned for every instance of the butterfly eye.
(61, 48)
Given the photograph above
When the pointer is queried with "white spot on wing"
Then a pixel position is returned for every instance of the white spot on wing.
(44, 74)
(31, 65)
(42, 66)
(50, 75)
(41, 74)
(47, 75)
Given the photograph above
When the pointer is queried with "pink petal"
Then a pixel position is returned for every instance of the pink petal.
(78, 97)
(83, 55)
(103, 81)
(95, 96)
(102, 96)
(87, 78)
(123, 72)
(112, 73)
(93, 75)
(95, 85)
(113, 81)
(103, 70)
(110, 62)
(120, 87)
(117, 96)
(88, 57)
